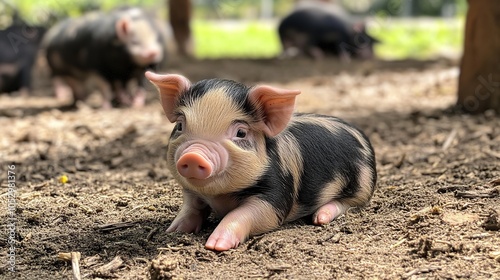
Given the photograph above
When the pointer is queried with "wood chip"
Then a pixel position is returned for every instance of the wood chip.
(449, 139)
(480, 235)
(437, 171)
(421, 270)
(276, 268)
(397, 244)
(110, 268)
(334, 238)
(476, 194)
(114, 226)
(74, 257)
(492, 153)
(91, 261)
(495, 182)
(495, 255)
(152, 233)
(456, 219)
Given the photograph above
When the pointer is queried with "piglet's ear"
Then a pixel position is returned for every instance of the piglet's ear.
(277, 104)
(170, 86)
(122, 27)
(359, 27)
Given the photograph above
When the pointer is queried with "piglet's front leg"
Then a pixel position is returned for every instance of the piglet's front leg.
(193, 213)
(252, 217)
(139, 98)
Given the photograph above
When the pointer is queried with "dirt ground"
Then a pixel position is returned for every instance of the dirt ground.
(434, 215)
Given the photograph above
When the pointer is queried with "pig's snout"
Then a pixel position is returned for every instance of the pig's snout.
(152, 55)
(146, 57)
(200, 161)
(194, 165)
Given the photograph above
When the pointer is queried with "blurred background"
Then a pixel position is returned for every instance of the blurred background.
(90, 165)
(247, 28)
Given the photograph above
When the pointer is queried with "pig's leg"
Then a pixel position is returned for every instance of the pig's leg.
(316, 53)
(328, 212)
(139, 93)
(139, 98)
(62, 90)
(78, 89)
(344, 56)
(24, 92)
(25, 79)
(193, 213)
(106, 91)
(252, 217)
(121, 96)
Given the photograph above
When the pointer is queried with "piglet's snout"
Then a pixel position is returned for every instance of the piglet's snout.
(194, 165)
(201, 161)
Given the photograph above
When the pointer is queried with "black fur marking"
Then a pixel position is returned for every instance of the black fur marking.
(274, 186)
(326, 156)
(237, 91)
(245, 144)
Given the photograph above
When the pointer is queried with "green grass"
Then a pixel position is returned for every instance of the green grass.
(401, 39)
(418, 39)
(235, 39)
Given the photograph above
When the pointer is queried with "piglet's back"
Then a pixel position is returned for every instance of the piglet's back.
(326, 158)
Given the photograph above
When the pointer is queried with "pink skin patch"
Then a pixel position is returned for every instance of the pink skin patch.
(187, 221)
(191, 216)
(123, 97)
(63, 91)
(231, 231)
(328, 212)
(223, 239)
(139, 98)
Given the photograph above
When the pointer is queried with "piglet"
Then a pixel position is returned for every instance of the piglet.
(108, 50)
(242, 153)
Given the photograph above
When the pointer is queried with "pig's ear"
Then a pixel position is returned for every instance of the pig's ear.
(122, 27)
(277, 104)
(170, 86)
(359, 27)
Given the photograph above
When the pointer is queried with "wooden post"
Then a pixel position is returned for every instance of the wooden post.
(180, 16)
(479, 81)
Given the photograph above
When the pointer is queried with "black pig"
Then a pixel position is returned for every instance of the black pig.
(109, 49)
(18, 51)
(318, 32)
(241, 152)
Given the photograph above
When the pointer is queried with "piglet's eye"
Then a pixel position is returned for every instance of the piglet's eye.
(241, 133)
(178, 126)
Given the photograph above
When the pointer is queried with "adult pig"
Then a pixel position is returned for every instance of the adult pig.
(241, 152)
(109, 49)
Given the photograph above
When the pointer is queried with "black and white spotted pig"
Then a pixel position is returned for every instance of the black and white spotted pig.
(241, 152)
(111, 50)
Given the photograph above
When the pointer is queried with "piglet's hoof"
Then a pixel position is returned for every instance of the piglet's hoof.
(187, 223)
(328, 212)
(222, 240)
